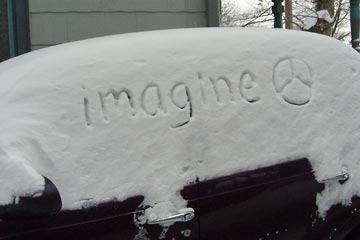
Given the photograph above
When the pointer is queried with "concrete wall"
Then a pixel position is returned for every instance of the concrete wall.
(54, 22)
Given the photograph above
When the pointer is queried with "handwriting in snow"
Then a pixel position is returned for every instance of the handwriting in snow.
(291, 79)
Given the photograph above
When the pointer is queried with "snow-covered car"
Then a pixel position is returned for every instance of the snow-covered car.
(182, 134)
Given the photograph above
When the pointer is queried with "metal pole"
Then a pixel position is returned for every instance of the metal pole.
(278, 10)
(355, 23)
(12, 30)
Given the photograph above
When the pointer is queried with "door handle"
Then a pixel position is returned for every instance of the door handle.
(343, 177)
(184, 215)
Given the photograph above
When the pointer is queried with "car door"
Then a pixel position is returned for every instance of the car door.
(107, 221)
(276, 202)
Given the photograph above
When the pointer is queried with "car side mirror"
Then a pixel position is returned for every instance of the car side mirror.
(48, 203)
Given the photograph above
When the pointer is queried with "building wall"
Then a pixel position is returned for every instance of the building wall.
(4, 31)
(54, 22)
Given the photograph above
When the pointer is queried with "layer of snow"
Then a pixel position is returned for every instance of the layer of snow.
(311, 20)
(324, 14)
(203, 103)
(18, 179)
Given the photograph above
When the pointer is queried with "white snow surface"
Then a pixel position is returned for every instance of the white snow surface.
(311, 20)
(201, 103)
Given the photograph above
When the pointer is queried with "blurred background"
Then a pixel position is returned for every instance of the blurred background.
(28, 25)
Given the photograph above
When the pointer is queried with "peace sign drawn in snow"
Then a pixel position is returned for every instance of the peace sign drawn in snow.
(292, 81)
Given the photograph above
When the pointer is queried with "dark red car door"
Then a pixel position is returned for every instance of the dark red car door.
(106, 221)
(276, 202)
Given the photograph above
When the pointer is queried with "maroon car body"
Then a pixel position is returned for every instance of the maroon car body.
(275, 202)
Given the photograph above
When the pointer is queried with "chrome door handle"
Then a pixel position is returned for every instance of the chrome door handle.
(343, 177)
(184, 215)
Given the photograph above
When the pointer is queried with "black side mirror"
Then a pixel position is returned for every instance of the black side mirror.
(48, 203)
